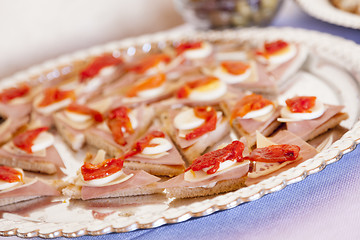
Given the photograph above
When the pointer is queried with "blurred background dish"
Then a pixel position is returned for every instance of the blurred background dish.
(221, 14)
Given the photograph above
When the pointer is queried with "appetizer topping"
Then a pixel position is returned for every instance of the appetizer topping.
(156, 146)
(121, 122)
(150, 64)
(211, 161)
(204, 89)
(145, 142)
(54, 95)
(187, 120)
(301, 104)
(194, 50)
(252, 106)
(274, 153)
(209, 116)
(276, 52)
(106, 168)
(233, 72)
(9, 94)
(82, 113)
(302, 108)
(10, 177)
(149, 87)
(97, 65)
(34, 140)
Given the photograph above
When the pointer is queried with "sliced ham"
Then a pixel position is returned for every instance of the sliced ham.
(139, 179)
(52, 156)
(179, 181)
(251, 125)
(35, 188)
(303, 128)
(15, 111)
(173, 157)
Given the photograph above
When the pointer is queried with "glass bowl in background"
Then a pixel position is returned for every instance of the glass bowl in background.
(222, 14)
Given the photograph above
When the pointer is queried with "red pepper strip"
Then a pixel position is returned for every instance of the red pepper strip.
(149, 83)
(97, 64)
(144, 142)
(235, 67)
(187, 46)
(25, 140)
(148, 62)
(301, 104)
(10, 93)
(118, 121)
(210, 116)
(249, 103)
(104, 169)
(274, 153)
(82, 109)
(213, 159)
(272, 48)
(185, 90)
(53, 95)
(10, 175)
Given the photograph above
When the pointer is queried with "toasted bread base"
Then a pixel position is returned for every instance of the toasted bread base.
(220, 187)
(42, 167)
(12, 200)
(74, 192)
(155, 169)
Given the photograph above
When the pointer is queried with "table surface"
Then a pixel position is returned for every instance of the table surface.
(323, 206)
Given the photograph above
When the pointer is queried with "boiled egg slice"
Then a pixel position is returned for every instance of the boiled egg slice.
(52, 107)
(280, 57)
(197, 176)
(259, 113)
(77, 117)
(151, 93)
(187, 120)
(208, 92)
(43, 141)
(6, 185)
(161, 145)
(198, 53)
(317, 111)
(229, 78)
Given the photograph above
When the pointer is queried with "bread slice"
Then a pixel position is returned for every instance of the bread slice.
(75, 141)
(220, 187)
(155, 169)
(43, 167)
(110, 147)
(74, 191)
(13, 200)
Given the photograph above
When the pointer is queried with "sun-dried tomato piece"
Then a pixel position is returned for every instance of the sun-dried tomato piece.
(106, 168)
(275, 153)
(10, 175)
(235, 67)
(98, 64)
(53, 95)
(119, 123)
(144, 142)
(187, 46)
(213, 159)
(271, 48)
(185, 90)
(249, 103)
(82, 109)
(301, 104)
(210, 117)
(25, 140)
(9, 94)
(148, 62)
(149, 83)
